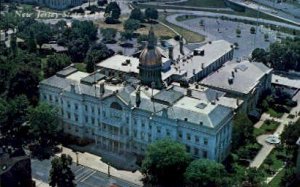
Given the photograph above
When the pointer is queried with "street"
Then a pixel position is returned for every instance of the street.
(84, 176)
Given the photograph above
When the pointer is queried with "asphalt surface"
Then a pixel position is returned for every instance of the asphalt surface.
(84, 176)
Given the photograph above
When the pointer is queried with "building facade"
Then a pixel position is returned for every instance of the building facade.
(124, 119)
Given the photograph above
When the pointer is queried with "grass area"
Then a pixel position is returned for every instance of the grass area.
(190, 36)
(203, 3)
(269, 127)
(275, 182)
(159, 29)
(80, 66)
(274, 113)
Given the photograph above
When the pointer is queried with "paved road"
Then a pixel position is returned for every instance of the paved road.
(280, 14)
(217, 29)
(84, 176)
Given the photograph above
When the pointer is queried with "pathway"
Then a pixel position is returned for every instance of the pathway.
(267, 148)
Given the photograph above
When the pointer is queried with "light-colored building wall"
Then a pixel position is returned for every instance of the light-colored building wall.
(121, 129)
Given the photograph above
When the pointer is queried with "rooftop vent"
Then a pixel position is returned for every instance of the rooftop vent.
(185, 119)
(230, 80)
(127, 62)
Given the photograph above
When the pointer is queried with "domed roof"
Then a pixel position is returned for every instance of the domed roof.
(150, 57)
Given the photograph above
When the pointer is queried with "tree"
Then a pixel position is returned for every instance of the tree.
(165, 162)
(253, 177)
(24, 81)
(259, 55)
(136, 14)
(242, 131)
(61, 174)
(109, 35)
(131, 25)
(252, 30)
(78, 49)
(14, 45)
(151, 14)
(266, 36)
(102, 2)
(31, 43)
(43, 33)
(56, 63)
(205, 173)
(43, 121)
(238, 32)
(113, 10)
(96, 54)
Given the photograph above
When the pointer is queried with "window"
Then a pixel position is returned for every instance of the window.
(45, 96)
(86, 119)
(196, 139)
(50, 97)
(69, 115)
(127, 120)
(204, 154)
(93, 120)
(86, 108)
(196, 151)
(158, 129)
(168, 132)
(188, 136)
(76, 117)
(180, 134)
(205, 141)
(188, 148)
(68, 104)
(150, 127)
(104, 114)
(116, 106)
(93, 110)
(76, 106)
(56, 99)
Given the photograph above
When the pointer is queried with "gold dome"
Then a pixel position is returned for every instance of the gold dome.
(150, 57)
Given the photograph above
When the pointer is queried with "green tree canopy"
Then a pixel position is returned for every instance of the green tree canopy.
(259, 55)
(151, 14)
(165, 162)
(206, 173)
(113, 10)
(136, 14)
(131, 25)
(96, 54)
(56, 63)
(61, 174)
(242, 131)
(44, 123)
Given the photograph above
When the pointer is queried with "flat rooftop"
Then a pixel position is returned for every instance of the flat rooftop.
(286, 81)
(245, 76)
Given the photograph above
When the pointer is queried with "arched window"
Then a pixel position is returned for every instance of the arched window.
(116, 106)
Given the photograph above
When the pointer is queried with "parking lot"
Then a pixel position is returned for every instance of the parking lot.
(84, 176)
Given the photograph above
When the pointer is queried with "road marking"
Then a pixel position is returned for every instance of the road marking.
(81, 168)
(81, 174)
(84, 174)
(88, 176)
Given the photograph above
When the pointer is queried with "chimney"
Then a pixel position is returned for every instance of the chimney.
(73, 88)
(181, 46)
(232, 73)
(217, 96)
(230, 80)
(202, 65)
(102, 89)
(194, 71)
(171, 52)
(138, 98)
(189, 92)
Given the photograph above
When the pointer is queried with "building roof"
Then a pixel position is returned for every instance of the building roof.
(244, 76)
(170, 103)
(286, 81)
(196, 63)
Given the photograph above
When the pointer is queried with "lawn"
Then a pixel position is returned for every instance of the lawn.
(274, 113)
(277, 179)
(269, 127)
(159, 29)
(203, 3)
(190, 36)
(80, 66)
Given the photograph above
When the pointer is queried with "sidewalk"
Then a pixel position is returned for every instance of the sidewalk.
(39, 183)
(267, 148)
(94, 162)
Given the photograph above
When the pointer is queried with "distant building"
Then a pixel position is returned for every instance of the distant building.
(15, 169)
(55, 4)
(241, 80)
(124, 115)
(178, 62)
